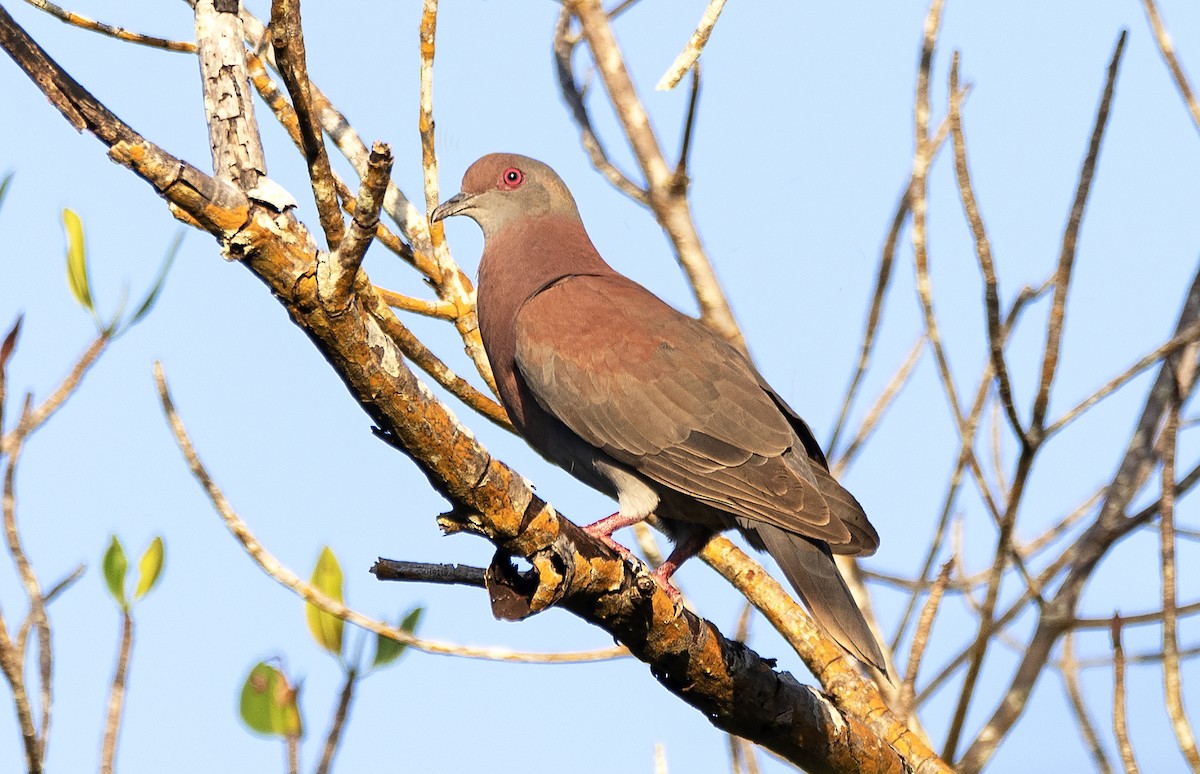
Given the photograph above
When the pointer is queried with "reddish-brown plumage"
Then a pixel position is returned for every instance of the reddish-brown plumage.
(646, 404)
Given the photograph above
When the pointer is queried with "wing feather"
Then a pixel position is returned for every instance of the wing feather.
(659, 392)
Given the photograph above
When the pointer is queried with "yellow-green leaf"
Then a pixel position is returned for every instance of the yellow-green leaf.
(77, 271)
(388, 650)
(115, 566)
(149, 568)
(152, 296)
(269, 704)
(326, 629)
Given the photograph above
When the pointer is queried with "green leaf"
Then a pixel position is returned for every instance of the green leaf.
(388, 650)
(149, 568)
(115, 566)
(148, 302)
(326, 629)
(4, 187)
(77, 271)
(268, 704)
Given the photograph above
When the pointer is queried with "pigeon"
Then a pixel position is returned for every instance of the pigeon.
(647, 404)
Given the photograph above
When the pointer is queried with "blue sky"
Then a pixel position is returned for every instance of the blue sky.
(803, 145)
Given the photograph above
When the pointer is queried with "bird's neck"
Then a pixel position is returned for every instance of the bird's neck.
(519, 261)
(533, 253)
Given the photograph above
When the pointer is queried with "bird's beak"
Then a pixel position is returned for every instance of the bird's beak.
(455, 205)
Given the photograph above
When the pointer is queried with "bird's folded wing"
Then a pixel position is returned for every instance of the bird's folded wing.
(659, 392)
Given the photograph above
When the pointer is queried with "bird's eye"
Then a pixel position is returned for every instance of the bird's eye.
(511, 178)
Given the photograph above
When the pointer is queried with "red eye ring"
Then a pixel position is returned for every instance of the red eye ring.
(511, 178)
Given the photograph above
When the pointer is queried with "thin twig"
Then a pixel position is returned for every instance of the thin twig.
(287, 40)
(1153, 617)
(64, 584)
(1051, 571)
(33, 591)
(644, 536)
(451, 282)
(1069, 668)
(7, 347)
(1171, 678)
(1082, 558)
(1154, 657)
(921, 640)
(689, 127)
(573, 95)
(442, 310)
(339, 721)
(314, 596)
(1187, 336)
(1120, 713)
(691, 52)
(40, 415)
(983, 250)
(1167, 49)
(337, 271)
(883, 278)
(875, 414)
(1066, 258)
(12, 657)
(291, 746)
(425, 572)
(922, 159)
(429, 163)
(120, 33)
(116, 696)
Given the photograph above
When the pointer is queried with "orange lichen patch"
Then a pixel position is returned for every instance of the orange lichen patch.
(550, 583)
(215, 206)
(183, 217)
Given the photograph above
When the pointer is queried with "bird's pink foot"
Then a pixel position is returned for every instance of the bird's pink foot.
(662, 576)
(602, 530)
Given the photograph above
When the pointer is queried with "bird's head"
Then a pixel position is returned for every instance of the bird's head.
(500, 188)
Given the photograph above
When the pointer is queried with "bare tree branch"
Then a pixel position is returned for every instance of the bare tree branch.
(691, 52)
(1167, 49)
(287, 40)
(1171, 677)
(116, 696)
(339, 721)
(1120, 713)
(666, 192)
(120, 33)
(1070, 675)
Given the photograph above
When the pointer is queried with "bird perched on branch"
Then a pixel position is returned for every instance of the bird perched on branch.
(645, 403)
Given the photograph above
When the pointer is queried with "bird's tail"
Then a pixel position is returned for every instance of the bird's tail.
(809, 566)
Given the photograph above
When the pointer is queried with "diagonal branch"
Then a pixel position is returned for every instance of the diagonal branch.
(1066, 258)
(287, 40)
(1167, 49)
(983, 250)
(666, 192)
(691, 52)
